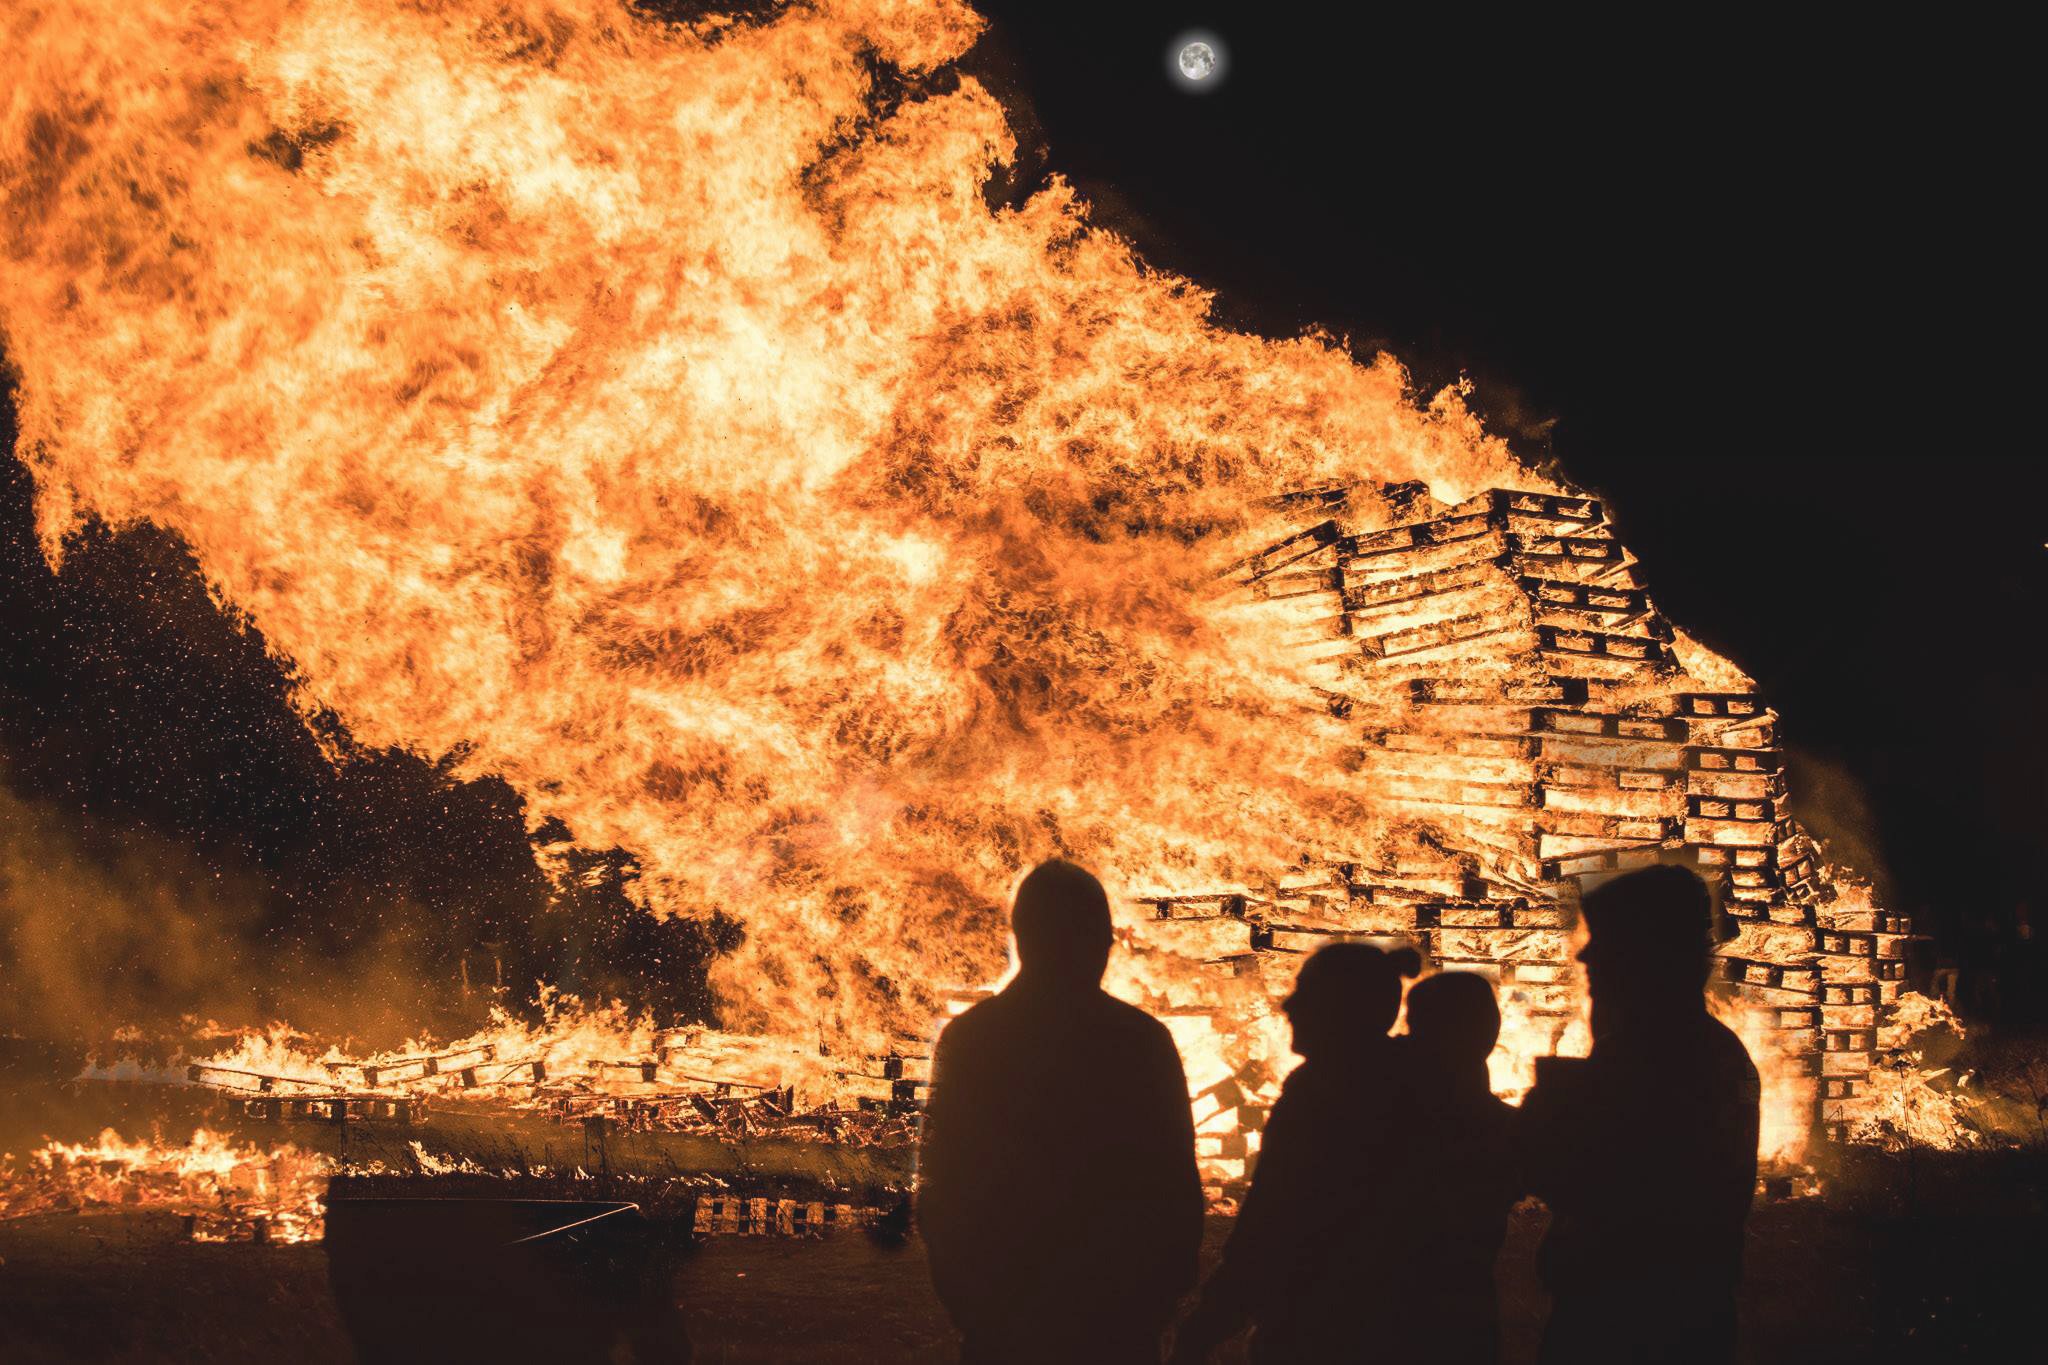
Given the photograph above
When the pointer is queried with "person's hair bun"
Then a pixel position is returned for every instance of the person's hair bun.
(1406, 961)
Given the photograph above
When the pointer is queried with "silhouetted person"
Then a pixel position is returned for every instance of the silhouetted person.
(1456, 1178)
(1057, 1187)
(1309, 1251)
(1645, 1150)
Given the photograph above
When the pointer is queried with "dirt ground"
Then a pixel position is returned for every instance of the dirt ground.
(1922, 1258)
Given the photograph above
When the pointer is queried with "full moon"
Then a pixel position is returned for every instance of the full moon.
(1197, 61)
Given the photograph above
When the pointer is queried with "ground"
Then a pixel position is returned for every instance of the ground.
(1914, 1256)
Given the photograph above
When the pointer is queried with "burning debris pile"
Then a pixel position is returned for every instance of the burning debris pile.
(660, 417)
(1516, 696)
(225, 1190)
(591, 1067)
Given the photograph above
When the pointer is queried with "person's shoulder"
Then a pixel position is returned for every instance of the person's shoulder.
(1132, 1026)
(1728, 1053)
(973, 1023)
(1123, 1014)
(1302, 1086)
(1723, 1040)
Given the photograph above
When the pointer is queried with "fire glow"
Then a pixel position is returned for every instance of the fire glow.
(658, 416)
(229, 1191)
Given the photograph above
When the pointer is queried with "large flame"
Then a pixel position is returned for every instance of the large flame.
(658, 416)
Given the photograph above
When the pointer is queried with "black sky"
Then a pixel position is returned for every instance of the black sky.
(1743, 278)
(1734, 278)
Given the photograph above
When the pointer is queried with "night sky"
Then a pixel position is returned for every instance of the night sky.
(1729, 283)
(1734, 280)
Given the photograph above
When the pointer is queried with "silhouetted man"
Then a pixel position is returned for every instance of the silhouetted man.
(1459, 1178)
(1311, 1248)
(1057, 1187)
(1645, 1150)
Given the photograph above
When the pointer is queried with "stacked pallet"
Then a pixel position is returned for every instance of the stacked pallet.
(674, 1088)
(1527, 719)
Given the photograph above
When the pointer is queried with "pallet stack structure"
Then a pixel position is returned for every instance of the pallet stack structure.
(1530, 720)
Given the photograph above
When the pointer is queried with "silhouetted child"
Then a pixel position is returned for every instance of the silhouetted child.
(1458, 1178)
(1308, 1250)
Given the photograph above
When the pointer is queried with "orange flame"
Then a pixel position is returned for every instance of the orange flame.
(658, 416)
(630, 411)
(224, 1186)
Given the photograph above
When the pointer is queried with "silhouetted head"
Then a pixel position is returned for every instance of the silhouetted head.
(1453, 1017)
(1061, 922)
(1347, 996)
(1649, 942)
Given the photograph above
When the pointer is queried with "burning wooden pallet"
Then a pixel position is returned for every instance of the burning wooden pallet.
(1522, 704)
(1528, 719)
(667, 1091)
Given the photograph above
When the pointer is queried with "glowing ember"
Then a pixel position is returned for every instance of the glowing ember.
(229, 1191)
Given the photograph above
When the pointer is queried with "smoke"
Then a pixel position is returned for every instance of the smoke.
(105, 928)
(98, 928)
(1833, 807)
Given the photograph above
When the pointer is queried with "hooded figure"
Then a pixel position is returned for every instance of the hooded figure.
(1645, 1150)
(1056, 1182)
(1308, 1248)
